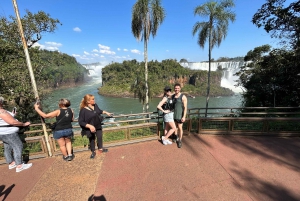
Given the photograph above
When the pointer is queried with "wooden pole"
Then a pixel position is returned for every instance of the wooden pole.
(33, 83)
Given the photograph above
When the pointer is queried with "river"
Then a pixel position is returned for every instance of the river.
(125, 105)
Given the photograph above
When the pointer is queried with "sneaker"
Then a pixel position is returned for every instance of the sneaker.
(12, 166)
(179, 143)
(23, 167)
(169, 142)
(71, 157)
(65, 158)
(175, 139)
(164, 141)
(103, 150)
(93, 155)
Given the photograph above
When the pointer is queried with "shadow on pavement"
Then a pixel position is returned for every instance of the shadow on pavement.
(97, 198)
(5, 192)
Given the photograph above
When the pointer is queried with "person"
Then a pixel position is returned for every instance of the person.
(62, 132)
(90, 120)
(180, 110)
(166, 106)
(13, 146)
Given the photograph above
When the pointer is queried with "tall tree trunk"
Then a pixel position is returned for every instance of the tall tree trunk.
(146, 74)
(208, 75)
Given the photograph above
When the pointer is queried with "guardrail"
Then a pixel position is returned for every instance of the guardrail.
(131, 128)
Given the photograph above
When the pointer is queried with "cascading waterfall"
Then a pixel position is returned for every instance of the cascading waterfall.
(95, 69)
(229, 69)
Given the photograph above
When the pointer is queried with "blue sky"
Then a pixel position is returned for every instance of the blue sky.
(100, 30)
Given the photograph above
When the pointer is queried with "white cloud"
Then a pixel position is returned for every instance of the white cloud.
(103, 47)
(125, 50)
(118, 49)
(53, 44)
(75, 55)
(135, 51)
(97, 55)
(102, 56)
(86, 53)
(95, 50)
(105, 50)
(77, 29)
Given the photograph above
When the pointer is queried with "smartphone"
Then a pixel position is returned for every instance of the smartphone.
(14, 110)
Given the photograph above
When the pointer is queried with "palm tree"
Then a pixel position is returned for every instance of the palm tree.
(147, 15)
(214, 30)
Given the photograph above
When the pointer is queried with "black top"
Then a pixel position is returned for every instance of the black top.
(64, 119)
(92, 117)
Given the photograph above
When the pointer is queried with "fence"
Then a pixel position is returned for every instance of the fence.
(132, 128)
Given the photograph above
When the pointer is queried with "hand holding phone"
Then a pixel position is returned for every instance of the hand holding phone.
(14, 110)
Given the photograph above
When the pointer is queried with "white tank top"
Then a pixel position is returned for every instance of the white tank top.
(7, 130)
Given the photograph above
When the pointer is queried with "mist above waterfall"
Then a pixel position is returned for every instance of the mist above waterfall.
(94, 69)
(229, 69)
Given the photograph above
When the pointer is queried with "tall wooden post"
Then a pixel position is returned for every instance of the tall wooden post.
(30, 71)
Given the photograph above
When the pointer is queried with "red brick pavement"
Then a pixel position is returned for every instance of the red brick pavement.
(205, 168)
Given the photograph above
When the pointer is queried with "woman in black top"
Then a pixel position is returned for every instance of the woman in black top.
(63, 130)
(90, 121)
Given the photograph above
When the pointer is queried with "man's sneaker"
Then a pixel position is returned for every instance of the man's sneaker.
(164, 141)
(93, 155)
(179, 144)
(169, 142)
(23, 167)
(12, 166)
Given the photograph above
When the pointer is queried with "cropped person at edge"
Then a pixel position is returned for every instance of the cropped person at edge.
(91, 123)
(166, 106)
(13, 146)
(63, 131)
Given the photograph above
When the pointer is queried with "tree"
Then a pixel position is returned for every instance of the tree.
(214, 30)
(282, 22)
(14, 76)
(147, 16)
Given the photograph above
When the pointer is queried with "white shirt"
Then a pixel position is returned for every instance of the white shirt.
(7, 130)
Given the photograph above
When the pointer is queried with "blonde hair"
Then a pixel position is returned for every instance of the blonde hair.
(64, 102)
(84, 101)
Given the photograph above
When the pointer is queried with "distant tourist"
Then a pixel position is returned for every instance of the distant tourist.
(180, 110)
(63, 130)
(90, 120)
(166, 106)
(13, 146)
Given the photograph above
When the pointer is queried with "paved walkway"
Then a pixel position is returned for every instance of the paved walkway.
(205, 168)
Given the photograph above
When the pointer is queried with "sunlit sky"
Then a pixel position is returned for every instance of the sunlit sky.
(100, 30)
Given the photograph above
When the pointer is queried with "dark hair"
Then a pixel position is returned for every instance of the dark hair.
(177, 84)
(64, 102)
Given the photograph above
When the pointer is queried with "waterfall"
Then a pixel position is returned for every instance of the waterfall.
(229, 69)
(94, 69)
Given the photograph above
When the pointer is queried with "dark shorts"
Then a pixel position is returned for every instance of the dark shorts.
(178, 121)
(68, 133)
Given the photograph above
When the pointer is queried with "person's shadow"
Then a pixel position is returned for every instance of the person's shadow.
(5, 192)
(97, 198)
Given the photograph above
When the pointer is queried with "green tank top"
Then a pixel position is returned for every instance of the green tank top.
(178, 107)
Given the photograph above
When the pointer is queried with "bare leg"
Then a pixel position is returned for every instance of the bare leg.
(62, 145)
(172, 129)
(180, 131)
(68, 146)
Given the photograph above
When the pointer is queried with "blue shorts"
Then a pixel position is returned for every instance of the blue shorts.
(68, 133)
(169, 117)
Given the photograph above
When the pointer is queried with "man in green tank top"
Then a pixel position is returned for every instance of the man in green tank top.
(180, 109)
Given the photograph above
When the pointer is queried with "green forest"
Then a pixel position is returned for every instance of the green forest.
(123, 79)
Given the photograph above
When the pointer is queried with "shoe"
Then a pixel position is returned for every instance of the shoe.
(12, 166)
(66, 158)
(169, 142)
(71, 157)
(103, 150)
(23, 167)
(93, 155)
(164, 141)
(179, 143)
(175, 139)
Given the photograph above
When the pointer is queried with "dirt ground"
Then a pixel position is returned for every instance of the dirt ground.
(74, 180)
